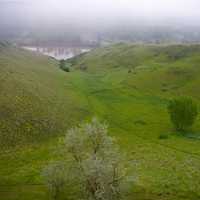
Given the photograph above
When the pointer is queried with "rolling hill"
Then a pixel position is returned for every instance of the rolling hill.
(128, 86)
(34, 100)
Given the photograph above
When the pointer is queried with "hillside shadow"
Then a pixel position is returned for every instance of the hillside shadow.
(190, 134)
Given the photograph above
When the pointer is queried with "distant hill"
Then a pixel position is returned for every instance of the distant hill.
(158, 69)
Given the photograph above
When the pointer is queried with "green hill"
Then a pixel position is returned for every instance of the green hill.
(126, 85)
(35, 101)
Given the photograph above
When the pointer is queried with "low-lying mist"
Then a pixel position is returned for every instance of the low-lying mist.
(92, 22)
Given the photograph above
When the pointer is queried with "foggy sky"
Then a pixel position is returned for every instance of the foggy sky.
(16, 13)
(100, 9)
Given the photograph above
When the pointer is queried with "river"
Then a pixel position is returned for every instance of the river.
(58, 53)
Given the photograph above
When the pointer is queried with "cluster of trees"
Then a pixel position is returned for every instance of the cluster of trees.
(92, 162)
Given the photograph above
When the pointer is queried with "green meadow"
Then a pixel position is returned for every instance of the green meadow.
(126, 85)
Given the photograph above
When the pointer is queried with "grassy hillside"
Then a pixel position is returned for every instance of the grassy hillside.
(126, 85)
(34, 100)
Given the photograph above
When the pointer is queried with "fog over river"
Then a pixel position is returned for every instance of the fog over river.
(58, 53)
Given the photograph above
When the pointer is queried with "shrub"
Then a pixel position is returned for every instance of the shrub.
(62, 63)
(183, 112)
(66, 69)
(163, 136)
(129, 71)
(64, 66)
(96, 164)
(55, 178)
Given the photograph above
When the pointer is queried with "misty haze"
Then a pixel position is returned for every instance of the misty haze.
(89, 22)
(99, 100)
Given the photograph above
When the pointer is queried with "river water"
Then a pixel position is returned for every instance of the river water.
(58, 53)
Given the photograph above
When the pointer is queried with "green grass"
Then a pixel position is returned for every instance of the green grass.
(39, 102)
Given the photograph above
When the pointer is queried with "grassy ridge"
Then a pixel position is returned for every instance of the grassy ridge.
(34, 98)
(126, 85)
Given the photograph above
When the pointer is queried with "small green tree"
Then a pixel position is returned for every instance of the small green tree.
(64, 66)
(62, 63)
(183, 112)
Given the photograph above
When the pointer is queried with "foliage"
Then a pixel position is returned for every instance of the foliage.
(95, 160)
(99, 164)
(64, 66)
(55, 177)
(163, 136)
(183, 112)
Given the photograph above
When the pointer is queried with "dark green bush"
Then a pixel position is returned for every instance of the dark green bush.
(183, 112)
(62, 63)
(64, 66)
(163, 136)
(66, 69)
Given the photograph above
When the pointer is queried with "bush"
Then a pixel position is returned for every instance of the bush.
(97, 167)
(64, 66)
(163, 136)
(183, 112)
(55, 178)
(66, 69)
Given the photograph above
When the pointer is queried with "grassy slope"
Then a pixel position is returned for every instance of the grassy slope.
(34, 100)
(133, 103)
